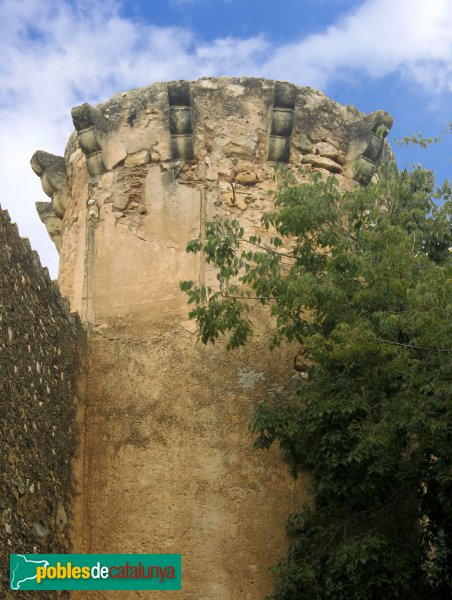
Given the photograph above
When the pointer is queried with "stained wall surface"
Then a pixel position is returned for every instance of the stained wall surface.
(39, 360)
(167, 463)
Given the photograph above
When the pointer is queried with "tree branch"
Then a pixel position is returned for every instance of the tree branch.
(426, 307)
(413, 346)
(290, 255)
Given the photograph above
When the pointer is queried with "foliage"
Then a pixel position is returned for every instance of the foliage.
(382, 130)
(362, 280)
(418, 139)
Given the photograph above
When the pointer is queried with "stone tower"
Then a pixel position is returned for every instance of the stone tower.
(165, 461)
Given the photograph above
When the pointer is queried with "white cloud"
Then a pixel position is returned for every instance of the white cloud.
(412, 37)
(56, 55)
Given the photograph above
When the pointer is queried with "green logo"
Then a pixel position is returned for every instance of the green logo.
(95, 571)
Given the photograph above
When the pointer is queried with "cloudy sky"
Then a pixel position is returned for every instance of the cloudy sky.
(390, 54)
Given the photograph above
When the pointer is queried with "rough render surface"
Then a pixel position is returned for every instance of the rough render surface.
(166, 461)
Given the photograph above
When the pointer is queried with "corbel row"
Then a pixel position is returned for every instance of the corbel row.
(52, 171)
(366, 145)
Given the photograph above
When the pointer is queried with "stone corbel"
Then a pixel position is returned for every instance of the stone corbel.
(52, 171)
(88, 124)
(281, 121)
(52, 222)
(180, 121)
(367, 145)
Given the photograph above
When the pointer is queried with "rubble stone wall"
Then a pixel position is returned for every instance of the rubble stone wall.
(39, 344)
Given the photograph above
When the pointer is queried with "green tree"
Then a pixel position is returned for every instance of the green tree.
(362, 280)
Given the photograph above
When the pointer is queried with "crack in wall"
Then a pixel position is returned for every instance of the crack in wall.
(202, 231)
(87, 304)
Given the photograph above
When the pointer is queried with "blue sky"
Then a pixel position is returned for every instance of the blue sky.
(390, 54)
(283, 21)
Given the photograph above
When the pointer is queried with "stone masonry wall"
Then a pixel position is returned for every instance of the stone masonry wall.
(167, 460)
(38, 360)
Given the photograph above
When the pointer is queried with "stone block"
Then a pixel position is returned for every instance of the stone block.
(322, 162)
(246, 178)
(138, 158)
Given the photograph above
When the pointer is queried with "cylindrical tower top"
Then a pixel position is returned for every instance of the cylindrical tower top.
(144, 169)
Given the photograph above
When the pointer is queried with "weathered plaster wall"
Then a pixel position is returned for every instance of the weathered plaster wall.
(39, 342)
(169, 465)
(167, 462)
